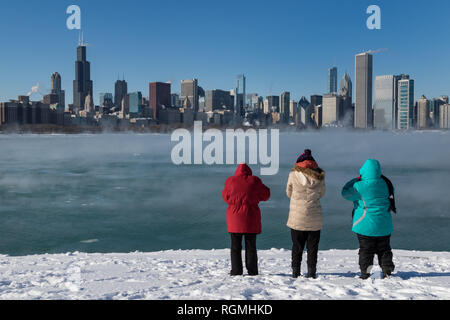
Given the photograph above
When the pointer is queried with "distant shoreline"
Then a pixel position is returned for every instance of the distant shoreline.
(75, 129)
(55, 129)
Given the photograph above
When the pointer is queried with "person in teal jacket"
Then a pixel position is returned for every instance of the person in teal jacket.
(372, 219)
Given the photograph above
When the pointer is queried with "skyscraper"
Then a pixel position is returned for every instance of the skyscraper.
(346, 86)
(435, 109)
(217, 100)
(444, 116)
(293, 108)
(346, 94)
(396, 96)
(190, 94)
(239, 105)
(105, 102)
(316, 100)
(55, 80)
(105, 96)
(284, 107)
(56, 89)
(82, 85)
(384, 107)
(405, 118)
(304, 112)
(318, 115)
(134, 104)
(423, 113)
(175, 100)
(89, 104)
(273, 103)
(120, 93)
(332, 80)
(363, 91)
(331, 108)
(266, 108)
(159, 97)
(253, 101)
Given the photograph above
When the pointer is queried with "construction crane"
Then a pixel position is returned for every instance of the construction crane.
(376, 51)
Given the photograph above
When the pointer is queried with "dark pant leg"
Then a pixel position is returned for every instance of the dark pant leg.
(236, 254)
(384, 253)
(312, 247)
(251, 256)
(298, 245)
(367, 250)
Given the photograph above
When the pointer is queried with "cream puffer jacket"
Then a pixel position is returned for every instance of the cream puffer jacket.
(305, 188)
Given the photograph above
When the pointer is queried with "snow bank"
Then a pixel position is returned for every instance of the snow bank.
(199, 274)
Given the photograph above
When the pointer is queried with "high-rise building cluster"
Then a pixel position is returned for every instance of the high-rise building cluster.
(388, 103)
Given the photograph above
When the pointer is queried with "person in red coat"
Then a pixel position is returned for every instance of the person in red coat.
(243, 192)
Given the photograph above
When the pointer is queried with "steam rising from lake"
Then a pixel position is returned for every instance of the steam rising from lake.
(58, 192)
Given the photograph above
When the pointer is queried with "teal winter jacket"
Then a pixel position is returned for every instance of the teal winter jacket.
(370, 196)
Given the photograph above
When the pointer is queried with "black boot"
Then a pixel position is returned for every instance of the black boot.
(312, 273)
(386, 272)
(296, 270)
(365, 272)
(365, 275)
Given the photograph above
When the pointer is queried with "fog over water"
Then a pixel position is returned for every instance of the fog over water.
(121, 192)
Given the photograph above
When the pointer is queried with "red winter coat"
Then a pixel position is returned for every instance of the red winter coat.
(243, 192)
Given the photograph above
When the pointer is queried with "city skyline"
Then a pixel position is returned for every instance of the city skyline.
(269, 72)
(394, 110)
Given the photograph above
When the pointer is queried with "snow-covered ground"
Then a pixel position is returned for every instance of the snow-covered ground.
(199, 274)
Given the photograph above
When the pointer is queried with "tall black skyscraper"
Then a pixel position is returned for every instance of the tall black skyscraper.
(120, 93)
(82, 85)
(56, 88)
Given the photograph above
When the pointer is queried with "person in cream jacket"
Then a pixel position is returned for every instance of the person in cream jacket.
(305, 188)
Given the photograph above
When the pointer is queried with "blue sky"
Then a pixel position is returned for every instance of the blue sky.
(279, 45)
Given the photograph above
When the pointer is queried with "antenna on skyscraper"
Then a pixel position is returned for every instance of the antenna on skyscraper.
(81, 42)
(81, 39)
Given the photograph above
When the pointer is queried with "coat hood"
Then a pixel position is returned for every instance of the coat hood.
(371, 169)
(243, 170)
(312, 175)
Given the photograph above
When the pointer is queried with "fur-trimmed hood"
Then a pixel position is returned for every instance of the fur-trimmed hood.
(317, 174)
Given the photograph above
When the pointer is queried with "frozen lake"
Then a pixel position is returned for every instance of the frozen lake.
(121, 192)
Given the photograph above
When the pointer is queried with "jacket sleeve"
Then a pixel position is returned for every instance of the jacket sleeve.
(289, 187)
(264, 191)
(349, 192)
(225, 192)
(322, 189)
